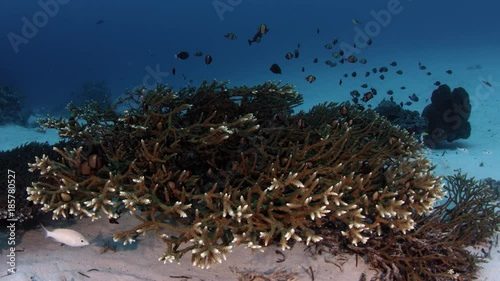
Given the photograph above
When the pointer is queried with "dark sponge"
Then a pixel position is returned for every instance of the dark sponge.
(448, 115)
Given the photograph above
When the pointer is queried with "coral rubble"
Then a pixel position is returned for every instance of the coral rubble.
(213, 167)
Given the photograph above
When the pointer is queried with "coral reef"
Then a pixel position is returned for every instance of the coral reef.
(448, 115)
(436, 249)
(409, 120)
(11, 110)
(15, 160)
(213, 167)
(471, 209)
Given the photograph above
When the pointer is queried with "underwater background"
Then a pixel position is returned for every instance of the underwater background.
(53, 52)
(49, 50)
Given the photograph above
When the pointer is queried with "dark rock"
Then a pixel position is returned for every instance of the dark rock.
(447, 115)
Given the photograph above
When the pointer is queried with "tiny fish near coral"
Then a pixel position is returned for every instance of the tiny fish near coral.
(66, 236)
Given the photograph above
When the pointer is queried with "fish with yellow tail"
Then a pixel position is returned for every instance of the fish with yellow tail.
(66, 236)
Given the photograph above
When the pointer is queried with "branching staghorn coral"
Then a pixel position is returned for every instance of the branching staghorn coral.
(213, 167)
(436, 249)
(470, 212)
(14, 160)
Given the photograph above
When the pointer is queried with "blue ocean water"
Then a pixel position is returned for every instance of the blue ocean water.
(50, 47)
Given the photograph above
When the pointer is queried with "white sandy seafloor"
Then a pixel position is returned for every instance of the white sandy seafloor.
(42, 259)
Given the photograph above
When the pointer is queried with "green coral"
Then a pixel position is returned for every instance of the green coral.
(213, 167)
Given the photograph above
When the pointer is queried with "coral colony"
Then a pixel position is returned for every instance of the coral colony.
(213, 167)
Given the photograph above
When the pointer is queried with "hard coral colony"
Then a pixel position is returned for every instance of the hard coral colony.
(213, 167)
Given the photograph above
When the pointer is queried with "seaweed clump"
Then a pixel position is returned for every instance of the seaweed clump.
(213, 167)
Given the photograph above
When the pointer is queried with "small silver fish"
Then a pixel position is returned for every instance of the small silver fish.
(66, 236)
